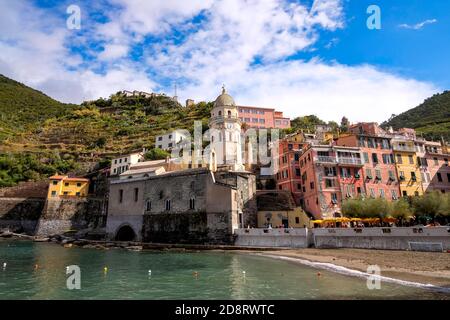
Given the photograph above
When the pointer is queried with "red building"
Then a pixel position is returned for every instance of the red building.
(255, 117)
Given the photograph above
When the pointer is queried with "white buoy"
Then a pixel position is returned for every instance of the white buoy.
(243, 272)
(149, 272)
(4, 265)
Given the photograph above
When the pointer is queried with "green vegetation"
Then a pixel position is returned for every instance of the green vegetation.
(156, 154)
(431, 118)
(429, 207)
(307, 124)
(23, 109)
(34, 126)
(32, 167)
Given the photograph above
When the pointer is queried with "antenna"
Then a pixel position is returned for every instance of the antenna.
(175, 97)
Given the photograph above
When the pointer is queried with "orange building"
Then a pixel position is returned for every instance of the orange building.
(255, 117)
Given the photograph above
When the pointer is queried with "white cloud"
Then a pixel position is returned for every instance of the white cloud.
(220, 49)
(419, 25)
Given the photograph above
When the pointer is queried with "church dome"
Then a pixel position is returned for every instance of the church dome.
(224, 99)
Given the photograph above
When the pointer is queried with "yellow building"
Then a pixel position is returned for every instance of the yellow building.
(63, 186)
(295, 218)
(408, 170)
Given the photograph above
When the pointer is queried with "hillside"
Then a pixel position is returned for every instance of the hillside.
(431, 118)
(40, 136)
(23, 109)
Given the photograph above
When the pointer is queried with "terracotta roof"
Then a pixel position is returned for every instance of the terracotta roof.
(57, 177)
(66, 178)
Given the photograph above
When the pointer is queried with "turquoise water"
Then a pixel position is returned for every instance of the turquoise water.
(220, 276)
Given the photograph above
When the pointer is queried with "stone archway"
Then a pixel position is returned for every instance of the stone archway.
(125, 233)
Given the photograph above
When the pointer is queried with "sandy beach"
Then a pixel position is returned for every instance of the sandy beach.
(423, 267)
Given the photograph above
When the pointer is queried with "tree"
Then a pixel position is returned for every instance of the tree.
(156, 154)
(431, 205)
(353, 208)
(401, 210)
(344, 124)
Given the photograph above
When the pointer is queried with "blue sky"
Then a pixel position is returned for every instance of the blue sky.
(301, 57)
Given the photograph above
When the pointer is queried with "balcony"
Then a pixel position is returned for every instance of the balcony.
(350, 161)
(397, 147)
(325, 159)
(220, 119)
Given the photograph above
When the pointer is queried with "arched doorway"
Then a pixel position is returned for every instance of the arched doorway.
(125, 233)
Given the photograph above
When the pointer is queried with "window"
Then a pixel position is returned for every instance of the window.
(369, 174)
(125, 160)
(120, 196)
(78, 194)
(115, 170)
(170, 145)
(297, 172)
(399, 159)
(371, 143)
(168, 205)
(115, 161)
(78, 184)
(357, 175)
(345, 172)
(378, 174)
(385, 144)
(136, 194)
(448, 177)
(311, 185)
(192, 203)
(170, 136)
(334, 199)
(416, 193)
(159, 146)
(411, 159)
(388, 158)
(382, 195)
(446, 162)
(394, 194)
(436, 162)
(297, 220)
(299, 186)
(413, 176)
(148, 205)
(439, 176)
(372, 192)
(262, 121)
(120, 160)
(391, 175)
(296, 157)
(366, 157)
(330, 171)
(247, 119)
(404, 193)
(66, 193)
(361, 142)
(402, 176)
(220, 113)
(330, 183)
(374, 158)
(66, 184)
(54, 183)
(159, 138)
(254, 120)
(53, 193)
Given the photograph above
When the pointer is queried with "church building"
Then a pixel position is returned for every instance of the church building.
(196, 205)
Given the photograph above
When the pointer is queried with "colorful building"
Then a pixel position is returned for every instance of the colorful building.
(438, 166)
(408, 167)
(329, 174)
(288, 175)
(379, 169)
(254, 117)
(63, 186)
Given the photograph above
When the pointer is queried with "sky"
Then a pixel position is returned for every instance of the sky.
(301, 57)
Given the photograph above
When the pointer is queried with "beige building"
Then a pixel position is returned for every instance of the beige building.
(123, 163)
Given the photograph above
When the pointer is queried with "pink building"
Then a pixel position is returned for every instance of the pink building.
(380, 174)
(437, 164)
(329, 174)
(255, 117)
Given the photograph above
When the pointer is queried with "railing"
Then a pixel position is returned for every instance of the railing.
(403, 148)
(326, 159)
(349, 160)
(222, 118)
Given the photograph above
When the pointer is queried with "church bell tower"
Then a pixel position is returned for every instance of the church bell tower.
(225, 133)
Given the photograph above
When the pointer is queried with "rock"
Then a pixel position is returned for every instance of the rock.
(67, 240)
(134, 248)
(89, 246)
(41, 239)
(68, 245)
(6, 234)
